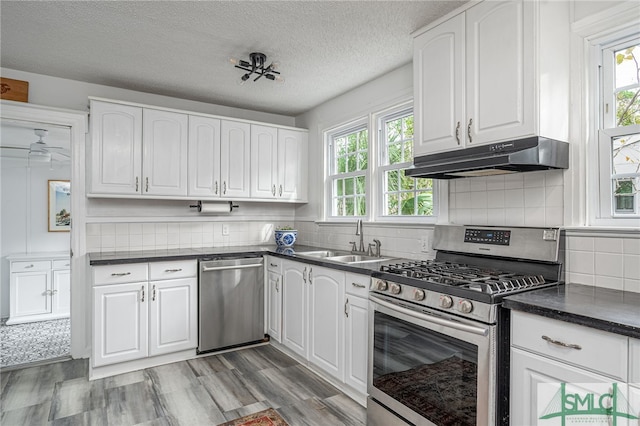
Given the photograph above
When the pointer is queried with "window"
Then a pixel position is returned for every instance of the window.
(349, 157)
(402, 195)
(619, 134)
(366, 169)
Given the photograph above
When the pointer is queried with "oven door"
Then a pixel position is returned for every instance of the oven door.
(429, 368)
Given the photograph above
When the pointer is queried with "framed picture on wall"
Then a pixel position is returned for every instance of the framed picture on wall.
(59, 206)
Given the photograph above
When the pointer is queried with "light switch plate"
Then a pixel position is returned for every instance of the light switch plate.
(225, 229)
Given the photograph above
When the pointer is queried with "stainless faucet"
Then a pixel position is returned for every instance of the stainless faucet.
(360, 233)
(376, 244)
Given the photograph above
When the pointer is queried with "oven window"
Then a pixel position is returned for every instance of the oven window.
(431, 373)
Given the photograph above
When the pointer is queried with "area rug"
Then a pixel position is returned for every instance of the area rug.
(34, 341)
(268, 417)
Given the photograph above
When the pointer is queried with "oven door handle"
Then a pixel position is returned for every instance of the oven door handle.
(430, 318)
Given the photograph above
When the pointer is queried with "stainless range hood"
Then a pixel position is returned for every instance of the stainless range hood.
(522, 155)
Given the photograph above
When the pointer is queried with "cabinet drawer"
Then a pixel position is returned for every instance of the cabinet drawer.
(273, 264)
(62, 264)
(173, 269)
(117, 274)
(26, 266)
(599, 351)
(357, 285)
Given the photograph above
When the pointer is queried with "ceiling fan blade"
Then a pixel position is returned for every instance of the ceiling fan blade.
(16, 147)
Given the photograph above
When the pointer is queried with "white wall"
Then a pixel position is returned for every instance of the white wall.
(24, 222)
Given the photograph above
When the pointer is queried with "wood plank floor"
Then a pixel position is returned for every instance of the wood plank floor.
(202, 391)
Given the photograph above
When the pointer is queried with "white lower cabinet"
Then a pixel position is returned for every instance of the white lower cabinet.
(546, 353)
(143, 310)
(273, 301)
(325, 322)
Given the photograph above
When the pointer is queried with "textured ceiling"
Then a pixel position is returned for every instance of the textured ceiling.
(182, 48)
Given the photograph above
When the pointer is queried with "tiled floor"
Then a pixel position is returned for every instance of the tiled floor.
(201, 391)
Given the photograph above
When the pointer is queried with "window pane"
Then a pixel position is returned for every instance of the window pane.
(362, 160)
(628, 107)
(363, 141)
(627, 61)
(341, 166)
(339, 190)
(349, 207)
(361, 206)
(407, 202)
(392, 204)
(341, 148)
(392, 180)
(339, 210)
(408, 151)
(624, 193)
(360, 185)
(627, 86)
(394, 154)
(625, 153)
(422, 183)
(348, 186)
(394, 129)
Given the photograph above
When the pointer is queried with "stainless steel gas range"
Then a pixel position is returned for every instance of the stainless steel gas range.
(438, 335)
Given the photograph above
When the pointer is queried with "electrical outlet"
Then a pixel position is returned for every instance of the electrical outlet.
(425, 244)
(225, 229)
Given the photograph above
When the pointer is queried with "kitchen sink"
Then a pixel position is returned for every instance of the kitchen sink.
(318, 253)
(355, 258)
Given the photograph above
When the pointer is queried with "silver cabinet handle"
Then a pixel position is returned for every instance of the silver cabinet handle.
(142, 298)
(147, 184)
(277, 283)
(120, 274)
(273, 264)
(346, 308)
(273, 190)
(54, 291)
(458, 133)
(29, 266)
(173, 270)
(358, 285)
(310, 270)
(304, 275)
(469, 130)
(225, 268)
(153, 295)
(280, 193)
(224, 187)
(216, 188)
(137, 183)
(559, 343)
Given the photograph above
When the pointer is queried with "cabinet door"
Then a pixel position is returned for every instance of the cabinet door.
(292, 165)
(30, 293)
(173, 316)
(204, 157)
(264, 161)
(235, 151)
(530, 397)
(116, 149)
(438, 75)
(356, 329)
(164, 152)
(274, 306)
(120, 320)
(500, 71)
(61, 300)
(294, 306)
(326, 320)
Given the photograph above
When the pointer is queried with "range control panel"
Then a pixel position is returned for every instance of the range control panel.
(487, 236)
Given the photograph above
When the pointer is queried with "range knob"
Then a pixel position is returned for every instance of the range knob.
(418, 295)
(394, 288)
(380, 285)
(446, 301)
(465, 306)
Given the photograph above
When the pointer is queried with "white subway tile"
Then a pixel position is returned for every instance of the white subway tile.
(93, 229)
(631, 267)
(495, 199)
(534, 197)
(514, 198)
(122, 229)
(554, 178)
(94, 243)
(495, 183)
(108, 229)
(162, 241)
(463, 200)
(135, 240)
(148, 228)
(608, 264)
(579, 278)
(479, 217)
(108, 242)
(631, 246)
(534, 180)
(462, 185)
(148, 240)
(173, 228)
(554, 196)
(581, 244)
(477, 184)
(553, 216)
(478, 200)
(161, 228)
(534, 216)
(514, 216)
(513, 181)
(609, 245)
(609, 282)
(632, 285)
(122, 241)
(580, 262)
(207, 227)
(496, 217)
(135, 228)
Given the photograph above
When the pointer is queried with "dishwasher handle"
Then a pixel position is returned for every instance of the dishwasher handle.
(224, 268)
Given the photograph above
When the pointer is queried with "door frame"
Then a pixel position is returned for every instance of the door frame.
(77, 121)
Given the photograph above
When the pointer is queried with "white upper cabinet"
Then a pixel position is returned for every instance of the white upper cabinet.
(497, 71)
(204, 157)
(278, 168)
(235, 153)
(116, 148)
(164, 152)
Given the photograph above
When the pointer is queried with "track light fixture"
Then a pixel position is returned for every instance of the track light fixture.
(257, 66)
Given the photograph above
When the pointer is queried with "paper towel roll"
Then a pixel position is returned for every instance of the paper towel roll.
(215, 208)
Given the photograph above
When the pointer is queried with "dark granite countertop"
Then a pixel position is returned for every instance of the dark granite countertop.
(604, 309)
(121, 257)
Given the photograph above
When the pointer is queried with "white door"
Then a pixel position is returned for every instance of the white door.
(235, 153)
(164, 153)
(356, 329)
(500, 71)
(120, 323)
(116, 149)
(173, 315)
(292, 148)
(61, 300)
(204, 157)
(326, 320)
(264, 161)
(294, 306)
(31, 293)
(438, 75)
(274, 306)
(530, 397)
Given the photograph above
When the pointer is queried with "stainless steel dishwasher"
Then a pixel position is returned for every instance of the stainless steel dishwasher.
(230, 303)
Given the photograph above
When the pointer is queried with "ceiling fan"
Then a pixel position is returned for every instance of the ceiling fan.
(39, 150)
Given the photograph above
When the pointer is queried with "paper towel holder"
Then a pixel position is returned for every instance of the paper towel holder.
(199, 206)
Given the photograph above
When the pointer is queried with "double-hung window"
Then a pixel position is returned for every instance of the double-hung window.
(619, 134)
